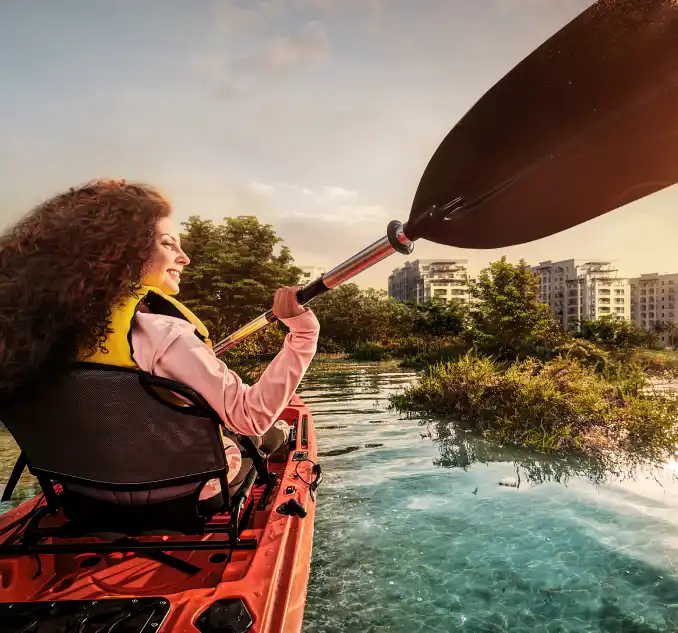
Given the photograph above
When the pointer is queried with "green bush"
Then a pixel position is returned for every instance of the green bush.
(408, 346)
(549, 406)
(435, 354)
(328, 346)
(371, 352)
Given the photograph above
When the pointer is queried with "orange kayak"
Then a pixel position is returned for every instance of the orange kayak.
(258, 586)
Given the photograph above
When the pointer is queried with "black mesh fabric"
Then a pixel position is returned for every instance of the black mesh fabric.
(101, 427)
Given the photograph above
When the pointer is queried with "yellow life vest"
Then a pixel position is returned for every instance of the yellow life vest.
(118, 341)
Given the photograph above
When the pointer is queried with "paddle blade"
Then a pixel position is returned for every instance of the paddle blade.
(585, 124)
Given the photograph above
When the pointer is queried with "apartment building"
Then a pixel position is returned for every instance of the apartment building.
(309, 273)
(578, 289)
(425, 279)
(653, 300)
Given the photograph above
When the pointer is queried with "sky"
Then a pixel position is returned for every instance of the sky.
(317, 116)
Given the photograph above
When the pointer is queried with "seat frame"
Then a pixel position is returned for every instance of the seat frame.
(28, 539)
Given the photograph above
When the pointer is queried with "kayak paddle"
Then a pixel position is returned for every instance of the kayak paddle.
(583, 125)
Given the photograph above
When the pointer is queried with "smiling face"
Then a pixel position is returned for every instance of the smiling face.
(164, 268)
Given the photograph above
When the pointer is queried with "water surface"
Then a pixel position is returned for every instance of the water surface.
(415, 534)
(418, 531)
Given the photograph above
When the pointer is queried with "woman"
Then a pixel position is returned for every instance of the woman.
(91, 275)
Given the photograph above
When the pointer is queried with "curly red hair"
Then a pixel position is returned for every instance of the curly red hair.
(64, 266)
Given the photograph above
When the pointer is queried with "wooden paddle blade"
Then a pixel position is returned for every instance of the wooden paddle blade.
(585, 124)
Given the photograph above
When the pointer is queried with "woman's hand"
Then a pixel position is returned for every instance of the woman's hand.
(285, 303)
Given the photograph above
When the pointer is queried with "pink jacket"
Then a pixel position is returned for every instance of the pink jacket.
(166, 346)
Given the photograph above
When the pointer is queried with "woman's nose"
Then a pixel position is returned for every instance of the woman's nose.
(183, 258)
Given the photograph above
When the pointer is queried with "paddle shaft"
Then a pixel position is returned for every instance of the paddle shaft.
(394, 240)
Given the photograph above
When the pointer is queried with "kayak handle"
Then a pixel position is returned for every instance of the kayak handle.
(318, 471)
(291, 507)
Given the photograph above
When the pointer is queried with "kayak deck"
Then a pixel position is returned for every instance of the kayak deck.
(261, 582)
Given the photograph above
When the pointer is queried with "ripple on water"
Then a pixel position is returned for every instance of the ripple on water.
(402, 544)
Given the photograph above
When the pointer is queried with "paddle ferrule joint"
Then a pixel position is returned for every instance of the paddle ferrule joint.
(397, 238)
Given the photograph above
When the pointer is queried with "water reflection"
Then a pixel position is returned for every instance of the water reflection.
(461, 448)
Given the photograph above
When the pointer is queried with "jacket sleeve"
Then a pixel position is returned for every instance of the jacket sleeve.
(167, 347)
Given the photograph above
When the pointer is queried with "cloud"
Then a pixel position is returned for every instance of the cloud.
(232, 75)
(285, 54)
(237, 19)
(330, 204)
(338, 193)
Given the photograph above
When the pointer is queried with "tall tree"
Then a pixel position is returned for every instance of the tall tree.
(234, 270)
(508, 316)
(612, 331)
(439, 318)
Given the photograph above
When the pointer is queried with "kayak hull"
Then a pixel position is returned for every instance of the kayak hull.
(264, 582)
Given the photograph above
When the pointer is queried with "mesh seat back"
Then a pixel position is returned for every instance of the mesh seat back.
(100, 426)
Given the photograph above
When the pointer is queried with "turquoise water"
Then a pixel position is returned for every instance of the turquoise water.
(416, 533)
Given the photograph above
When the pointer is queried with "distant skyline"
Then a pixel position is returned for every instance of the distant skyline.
(318, 116)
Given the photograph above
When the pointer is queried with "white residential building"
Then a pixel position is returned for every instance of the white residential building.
(424, 279)
(578, 289)
(309, 274)
(653, 300)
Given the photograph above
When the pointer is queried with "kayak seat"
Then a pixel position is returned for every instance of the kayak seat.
(125, 457)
